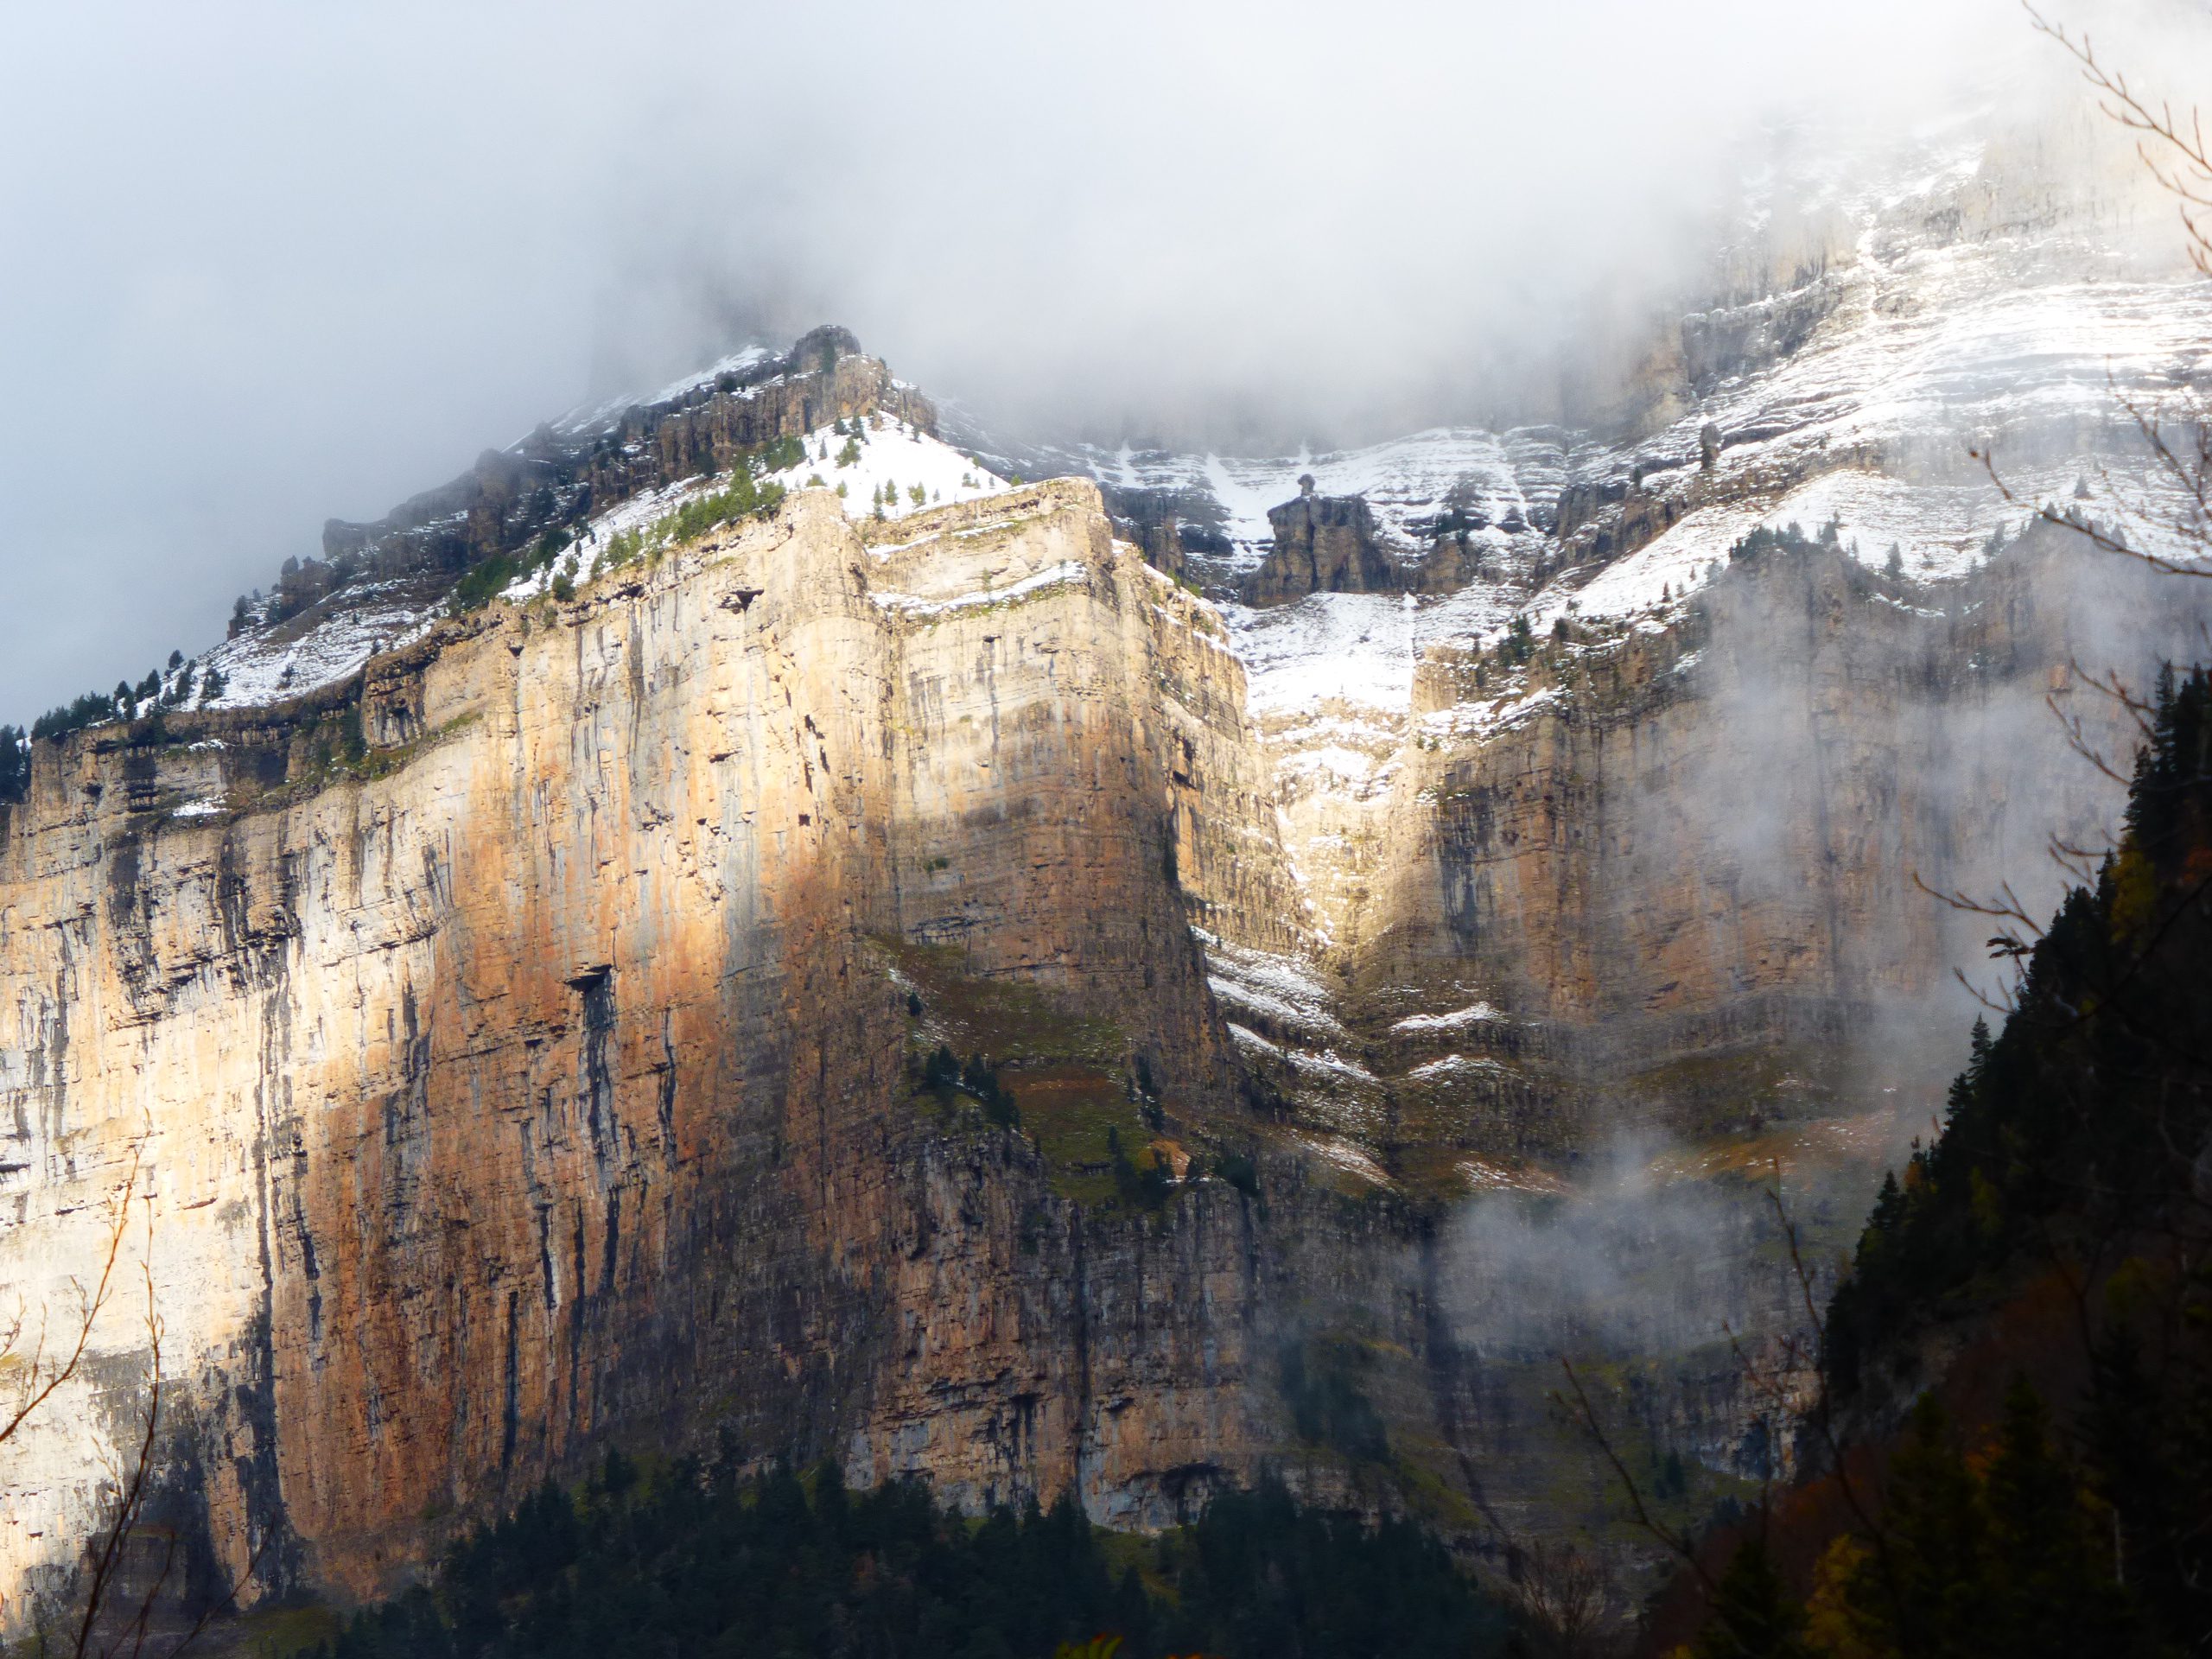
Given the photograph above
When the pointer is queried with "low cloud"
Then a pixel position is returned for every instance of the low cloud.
(268, 263)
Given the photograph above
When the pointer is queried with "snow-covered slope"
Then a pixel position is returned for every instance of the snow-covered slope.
(1507, 483)
(898, 466)
(269, 664)
(879, 466)
(1955, 305)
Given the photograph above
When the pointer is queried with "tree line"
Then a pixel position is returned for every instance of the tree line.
(706, 1558)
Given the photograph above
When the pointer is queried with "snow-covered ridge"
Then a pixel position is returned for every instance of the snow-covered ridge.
(1931, 346)
(877, 465)
(880, 461)
(1502, 486)
(595, 417)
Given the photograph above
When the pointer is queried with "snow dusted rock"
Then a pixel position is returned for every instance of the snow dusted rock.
(1323, 544)
(591, 459)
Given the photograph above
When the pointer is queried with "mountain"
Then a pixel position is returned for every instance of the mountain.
(1115, 983)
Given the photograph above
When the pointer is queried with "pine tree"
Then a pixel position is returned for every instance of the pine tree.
(1752, 1616)
(2053, 1596)
(1925, 1591)
(15, 763)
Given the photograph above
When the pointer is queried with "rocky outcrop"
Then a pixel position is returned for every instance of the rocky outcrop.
(558, 477)
(1177, 530)
(1732, 339)
(1323, 544)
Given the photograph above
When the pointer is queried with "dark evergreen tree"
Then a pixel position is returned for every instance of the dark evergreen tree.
(1752, 1616)
(1925, 1592)
(2052, 1593)
(710, 1560)
(2074, 1146)
(15, 763)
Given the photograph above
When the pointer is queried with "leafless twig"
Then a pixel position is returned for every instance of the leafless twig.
(43, 1380)
(131, 1497)
(1585, 1416)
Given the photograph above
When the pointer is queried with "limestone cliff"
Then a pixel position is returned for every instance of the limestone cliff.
(1695, 864)
(518, 1040)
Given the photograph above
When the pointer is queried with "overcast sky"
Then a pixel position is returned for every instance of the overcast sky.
(260, 265)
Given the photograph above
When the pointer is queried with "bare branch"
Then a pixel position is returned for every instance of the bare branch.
(1586, 1417)
(228, 1599)
(1822, 1416)
(2173, 150)
(133, 1497)
(37, 1391)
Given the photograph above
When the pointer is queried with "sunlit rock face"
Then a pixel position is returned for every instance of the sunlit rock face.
(537, 1068)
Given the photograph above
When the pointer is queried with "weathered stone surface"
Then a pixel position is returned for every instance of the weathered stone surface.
(1698, 863)
(541, 1077)
(1323, 544)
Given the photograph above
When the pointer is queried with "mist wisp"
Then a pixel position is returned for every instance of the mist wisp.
(1629, 1262)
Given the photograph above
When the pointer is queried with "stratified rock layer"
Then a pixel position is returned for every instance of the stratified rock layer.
(516, 1051)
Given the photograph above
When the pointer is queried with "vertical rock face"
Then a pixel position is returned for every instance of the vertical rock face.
(1690, 869)
(541, 1073)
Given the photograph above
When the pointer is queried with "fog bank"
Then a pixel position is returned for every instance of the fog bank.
(265, 264)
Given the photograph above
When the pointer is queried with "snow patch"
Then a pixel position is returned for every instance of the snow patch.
(890, 454)
(1265, 983)
(1248, 1037)
(1056, 575)
(1357, 648)
(1343, 1155)
(1475, 1014)
(1458, 1066)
